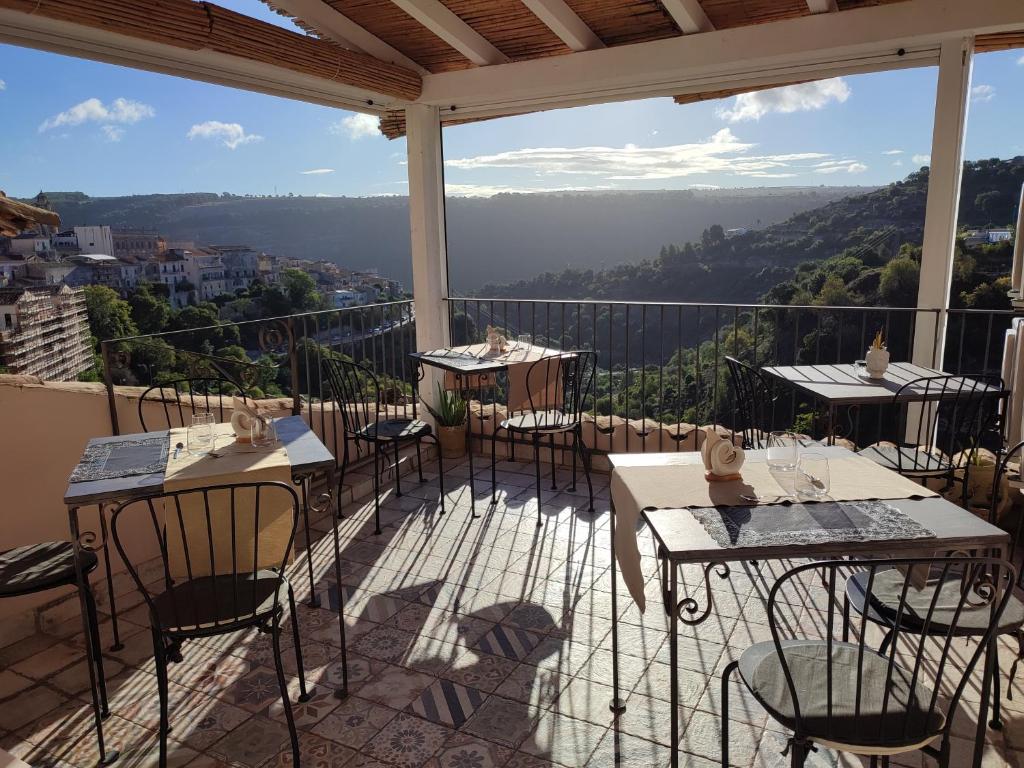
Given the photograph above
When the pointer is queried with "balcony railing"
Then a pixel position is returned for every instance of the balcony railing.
(661, 366)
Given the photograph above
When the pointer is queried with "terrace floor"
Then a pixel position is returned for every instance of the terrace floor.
(472, 643)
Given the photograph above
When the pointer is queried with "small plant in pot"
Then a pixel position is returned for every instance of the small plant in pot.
(450, 417)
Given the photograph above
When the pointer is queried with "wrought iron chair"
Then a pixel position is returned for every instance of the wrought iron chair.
(846, 695)
(357, 396)
(219, 572)
(181, 397)
(753, 396)
(559, 388)
(941, 433)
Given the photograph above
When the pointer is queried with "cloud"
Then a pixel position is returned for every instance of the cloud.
(120, 110)
(893, 152)
(3, 85)
(920, 160)
(898, 163)
(983, 93)
(113, 133)
(317, 171)
(489, 190)
(232, 135)
(358, 126)
(721, 153)
(838, 166)
(805, 97)
(1020, 61)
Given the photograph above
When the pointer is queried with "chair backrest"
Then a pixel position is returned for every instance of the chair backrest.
(866, 691)
(355, 391)
(180, 398)
(752, 396)
(950, 417)
(211, 541)
(562, 384)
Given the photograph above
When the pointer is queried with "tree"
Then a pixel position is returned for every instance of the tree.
(301, 291)
(110, 317)
(150, 312)
(898, 285)
(834, 293)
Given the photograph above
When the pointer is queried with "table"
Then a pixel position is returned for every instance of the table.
(838, 385)
(307, 456)
(682, 540)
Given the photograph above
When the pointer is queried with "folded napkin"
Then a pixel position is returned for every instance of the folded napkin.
(720, 456)
(243, 416)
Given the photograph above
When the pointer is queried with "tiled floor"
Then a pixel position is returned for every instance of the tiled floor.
(472, 643)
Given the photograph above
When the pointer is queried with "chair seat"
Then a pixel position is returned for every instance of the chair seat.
(38, 567)
(395, 429)
(887, 588)
(218, 602)
(907, 721)
(908, 459)
(538, 421)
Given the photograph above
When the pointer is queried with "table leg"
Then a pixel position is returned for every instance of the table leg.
(831, 424)
(469, 451)
(335, 502)
(117, 645)
(90, 651)
(673, 660)
(304, 483)
(617, 705)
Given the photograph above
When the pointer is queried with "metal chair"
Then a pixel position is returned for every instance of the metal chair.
(357, 396)
(223, 550)
(848, 696)
(182, 397)
(559, 388)
(753, 396)
(941, 433)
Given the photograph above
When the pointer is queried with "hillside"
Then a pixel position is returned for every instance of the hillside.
(503, 238)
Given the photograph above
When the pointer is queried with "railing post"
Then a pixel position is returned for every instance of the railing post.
(108, 380)
(293, 361)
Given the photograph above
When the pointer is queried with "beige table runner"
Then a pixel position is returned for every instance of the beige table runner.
(680, 483)
(236, 463)
(518, 359)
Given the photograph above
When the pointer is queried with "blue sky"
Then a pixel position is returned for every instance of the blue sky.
(78, 125)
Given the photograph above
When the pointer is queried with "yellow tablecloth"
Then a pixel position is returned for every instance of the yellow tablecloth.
(236, 463)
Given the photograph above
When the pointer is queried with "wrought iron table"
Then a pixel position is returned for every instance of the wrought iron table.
(306, 453)
(681, 540)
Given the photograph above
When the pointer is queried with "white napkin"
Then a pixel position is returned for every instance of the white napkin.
(720, 456)
(243, 416)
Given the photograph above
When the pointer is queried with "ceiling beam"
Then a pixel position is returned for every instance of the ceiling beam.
(436, 17)
(563, 21)
(331, 23)
(688, 15)
(822, 6)
(866, 39)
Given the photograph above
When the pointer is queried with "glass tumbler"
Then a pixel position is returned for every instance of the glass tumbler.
(812, 480)
(199, 435)
(783, 451)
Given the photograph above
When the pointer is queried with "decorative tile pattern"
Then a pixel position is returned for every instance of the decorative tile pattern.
(480, 670)
(509, 642)
(407, 742)
(354, 722)
(253, 743)
(503, 721)
(447, 703)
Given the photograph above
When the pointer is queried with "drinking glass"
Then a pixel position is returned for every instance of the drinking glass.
(812, 478)
(200, 436)
(263, 433)
(523, 341)
(783, 451)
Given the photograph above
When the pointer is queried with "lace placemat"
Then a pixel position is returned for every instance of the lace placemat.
(798, 524)
(123, 458)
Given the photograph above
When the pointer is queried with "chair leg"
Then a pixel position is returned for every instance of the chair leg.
(536, 464)
(419, 460)
(574, 444)
(303, 694)
(398, 477)
(886, 640)
(996, 723)
(578, 445)
(97, 653)
(376, 489)
(551, 442)
(846, 618)
(160, 659)
(314, 601)
(730, 668)
(494, 460)
(283, 685)
(440, 472)
(797, 754)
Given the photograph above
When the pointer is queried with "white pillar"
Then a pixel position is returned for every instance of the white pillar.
(940, 220)
(427, 227)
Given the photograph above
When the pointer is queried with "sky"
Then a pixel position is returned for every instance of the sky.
(72, 124)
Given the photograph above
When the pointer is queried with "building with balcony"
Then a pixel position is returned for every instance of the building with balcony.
(44, 332)
(241, 265)
(137, 244)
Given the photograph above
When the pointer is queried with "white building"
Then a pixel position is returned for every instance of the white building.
(205, 271)
(44, 332)
(95, 239)
(343, 299)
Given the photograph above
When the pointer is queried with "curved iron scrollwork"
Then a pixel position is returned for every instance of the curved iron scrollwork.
(689, 610)
(273, 335)
(90, 541)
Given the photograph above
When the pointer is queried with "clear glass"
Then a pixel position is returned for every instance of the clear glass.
(812, 479)
(263, 432)
(523, 341)
(200, 434)
(783, 451)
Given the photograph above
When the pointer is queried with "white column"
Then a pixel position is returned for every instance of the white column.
(951, 102)
(427, 227)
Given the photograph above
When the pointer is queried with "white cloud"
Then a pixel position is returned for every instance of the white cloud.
(120, 110)
(838, 166)
(983, 93)
(893, 152)
(1021, 61)
(805, 97)
(920, 160)
(489, 190)
(317, 171)
(113, 133)
(721, 153)
(358, 126)
(232, 135)
(3, 85)
(898, 163)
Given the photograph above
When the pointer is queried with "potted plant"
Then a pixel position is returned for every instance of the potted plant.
(450, 418)
(979, 464)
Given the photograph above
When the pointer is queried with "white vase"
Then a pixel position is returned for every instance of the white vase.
(876, 361)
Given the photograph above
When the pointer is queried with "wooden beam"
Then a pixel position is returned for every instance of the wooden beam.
(688, 15)
(563, 21)
(435, 16)
(822, 6)
(327, 21)
(207, 42)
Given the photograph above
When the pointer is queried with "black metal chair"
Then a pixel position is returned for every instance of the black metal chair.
(940, 434)
(753, 397)
(219, 572)
(182, 397)
(848, 696)
(357, 396)
(559, 388)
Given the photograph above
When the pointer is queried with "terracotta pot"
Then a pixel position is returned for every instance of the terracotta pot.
(453, 441)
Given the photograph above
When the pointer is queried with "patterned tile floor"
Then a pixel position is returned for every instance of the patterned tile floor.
(472, 644)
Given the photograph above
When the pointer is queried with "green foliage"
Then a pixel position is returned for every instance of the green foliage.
(110, 317)
(450, 410)
(151, 312)
(898, 286)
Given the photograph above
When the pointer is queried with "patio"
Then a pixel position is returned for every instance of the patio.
(472, 643)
